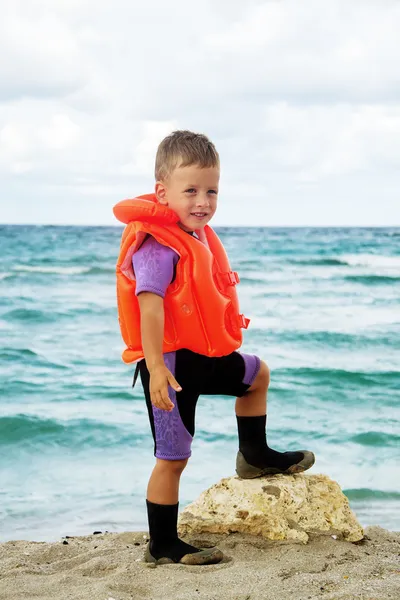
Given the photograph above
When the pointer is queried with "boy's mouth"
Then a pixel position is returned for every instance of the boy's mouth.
(199, 215)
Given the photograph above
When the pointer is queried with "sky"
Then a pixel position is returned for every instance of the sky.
(300, 97)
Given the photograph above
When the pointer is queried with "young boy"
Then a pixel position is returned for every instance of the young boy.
(178, 311)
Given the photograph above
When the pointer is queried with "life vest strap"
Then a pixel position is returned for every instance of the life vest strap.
(136, 375)
(243, 322)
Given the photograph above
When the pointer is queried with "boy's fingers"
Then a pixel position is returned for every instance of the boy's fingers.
(154, 399)
(173, 383)
(157, 400)
(161, 402)
(166, 399)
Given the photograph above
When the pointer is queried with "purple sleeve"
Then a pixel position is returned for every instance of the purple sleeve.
(153, 266)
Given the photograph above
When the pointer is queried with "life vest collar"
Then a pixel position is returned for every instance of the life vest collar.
(145, 208)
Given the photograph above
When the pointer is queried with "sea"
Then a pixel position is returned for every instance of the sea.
(76, 450)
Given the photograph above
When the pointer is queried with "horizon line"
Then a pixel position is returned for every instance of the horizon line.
(122, 225)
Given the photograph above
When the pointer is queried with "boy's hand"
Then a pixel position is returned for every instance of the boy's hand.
(160, 378)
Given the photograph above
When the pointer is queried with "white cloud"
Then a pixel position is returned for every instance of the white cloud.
(39, 57)
(318, 141)
(13, 142)
(27, 143)
(315, 52)
(60, 133)
(142, 159)
(301, 98)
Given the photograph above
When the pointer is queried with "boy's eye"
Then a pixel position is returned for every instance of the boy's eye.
(212, 192)
(190, 191)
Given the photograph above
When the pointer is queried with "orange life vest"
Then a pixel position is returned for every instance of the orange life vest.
(201, 305)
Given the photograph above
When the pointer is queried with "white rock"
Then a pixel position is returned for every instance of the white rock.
(279, 507)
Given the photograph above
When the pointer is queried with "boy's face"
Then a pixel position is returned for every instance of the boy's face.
(192, 193)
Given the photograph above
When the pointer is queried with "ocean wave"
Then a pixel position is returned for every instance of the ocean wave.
(35, 316)
(16, 354)
(371, 494)
(373, 279)
(372, 260)
(31, 315)
(19, 387)
(251, 281)
(101, 270)
(213, 437)
(32, 431)
(118, 395)
(375, 261)
(376, 438)
(338, 340)
(5, 276)
(322, 377)
(63, 270)
(53, 269)
(318, 262)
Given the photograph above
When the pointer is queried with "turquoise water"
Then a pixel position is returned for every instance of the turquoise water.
(75, 445)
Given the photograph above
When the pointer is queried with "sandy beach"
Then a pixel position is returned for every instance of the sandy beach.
(110, 566)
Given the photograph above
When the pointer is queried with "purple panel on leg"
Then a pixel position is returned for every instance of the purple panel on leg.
(173, 441)
(252, 366)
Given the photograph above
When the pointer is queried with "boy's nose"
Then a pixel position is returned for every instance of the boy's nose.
(202, 201)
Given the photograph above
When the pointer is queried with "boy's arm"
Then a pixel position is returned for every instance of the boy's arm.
(153, 265)
(152, 333)
(152, 328)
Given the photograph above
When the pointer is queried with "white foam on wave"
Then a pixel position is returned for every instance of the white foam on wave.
(56, 270)
(375, 261)
(4, 276)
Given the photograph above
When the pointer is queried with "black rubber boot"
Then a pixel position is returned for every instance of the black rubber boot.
(255, 458)
(165, 546)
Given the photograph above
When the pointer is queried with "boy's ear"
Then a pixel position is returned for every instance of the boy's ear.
(161, 192)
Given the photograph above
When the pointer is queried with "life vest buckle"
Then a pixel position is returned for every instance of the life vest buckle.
(233, 277)
(228, 278)
(243, 322)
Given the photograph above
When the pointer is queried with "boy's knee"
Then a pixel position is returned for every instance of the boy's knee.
(174, 466)
(263, 377)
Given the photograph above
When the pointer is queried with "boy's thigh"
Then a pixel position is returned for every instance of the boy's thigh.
(230, 375)
(172, 431)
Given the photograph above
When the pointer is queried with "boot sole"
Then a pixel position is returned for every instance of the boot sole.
(246, 471)
(208, 556)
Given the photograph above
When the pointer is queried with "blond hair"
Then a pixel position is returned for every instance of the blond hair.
(183, 149)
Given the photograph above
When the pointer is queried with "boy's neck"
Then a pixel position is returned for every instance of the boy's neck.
(192, 233)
